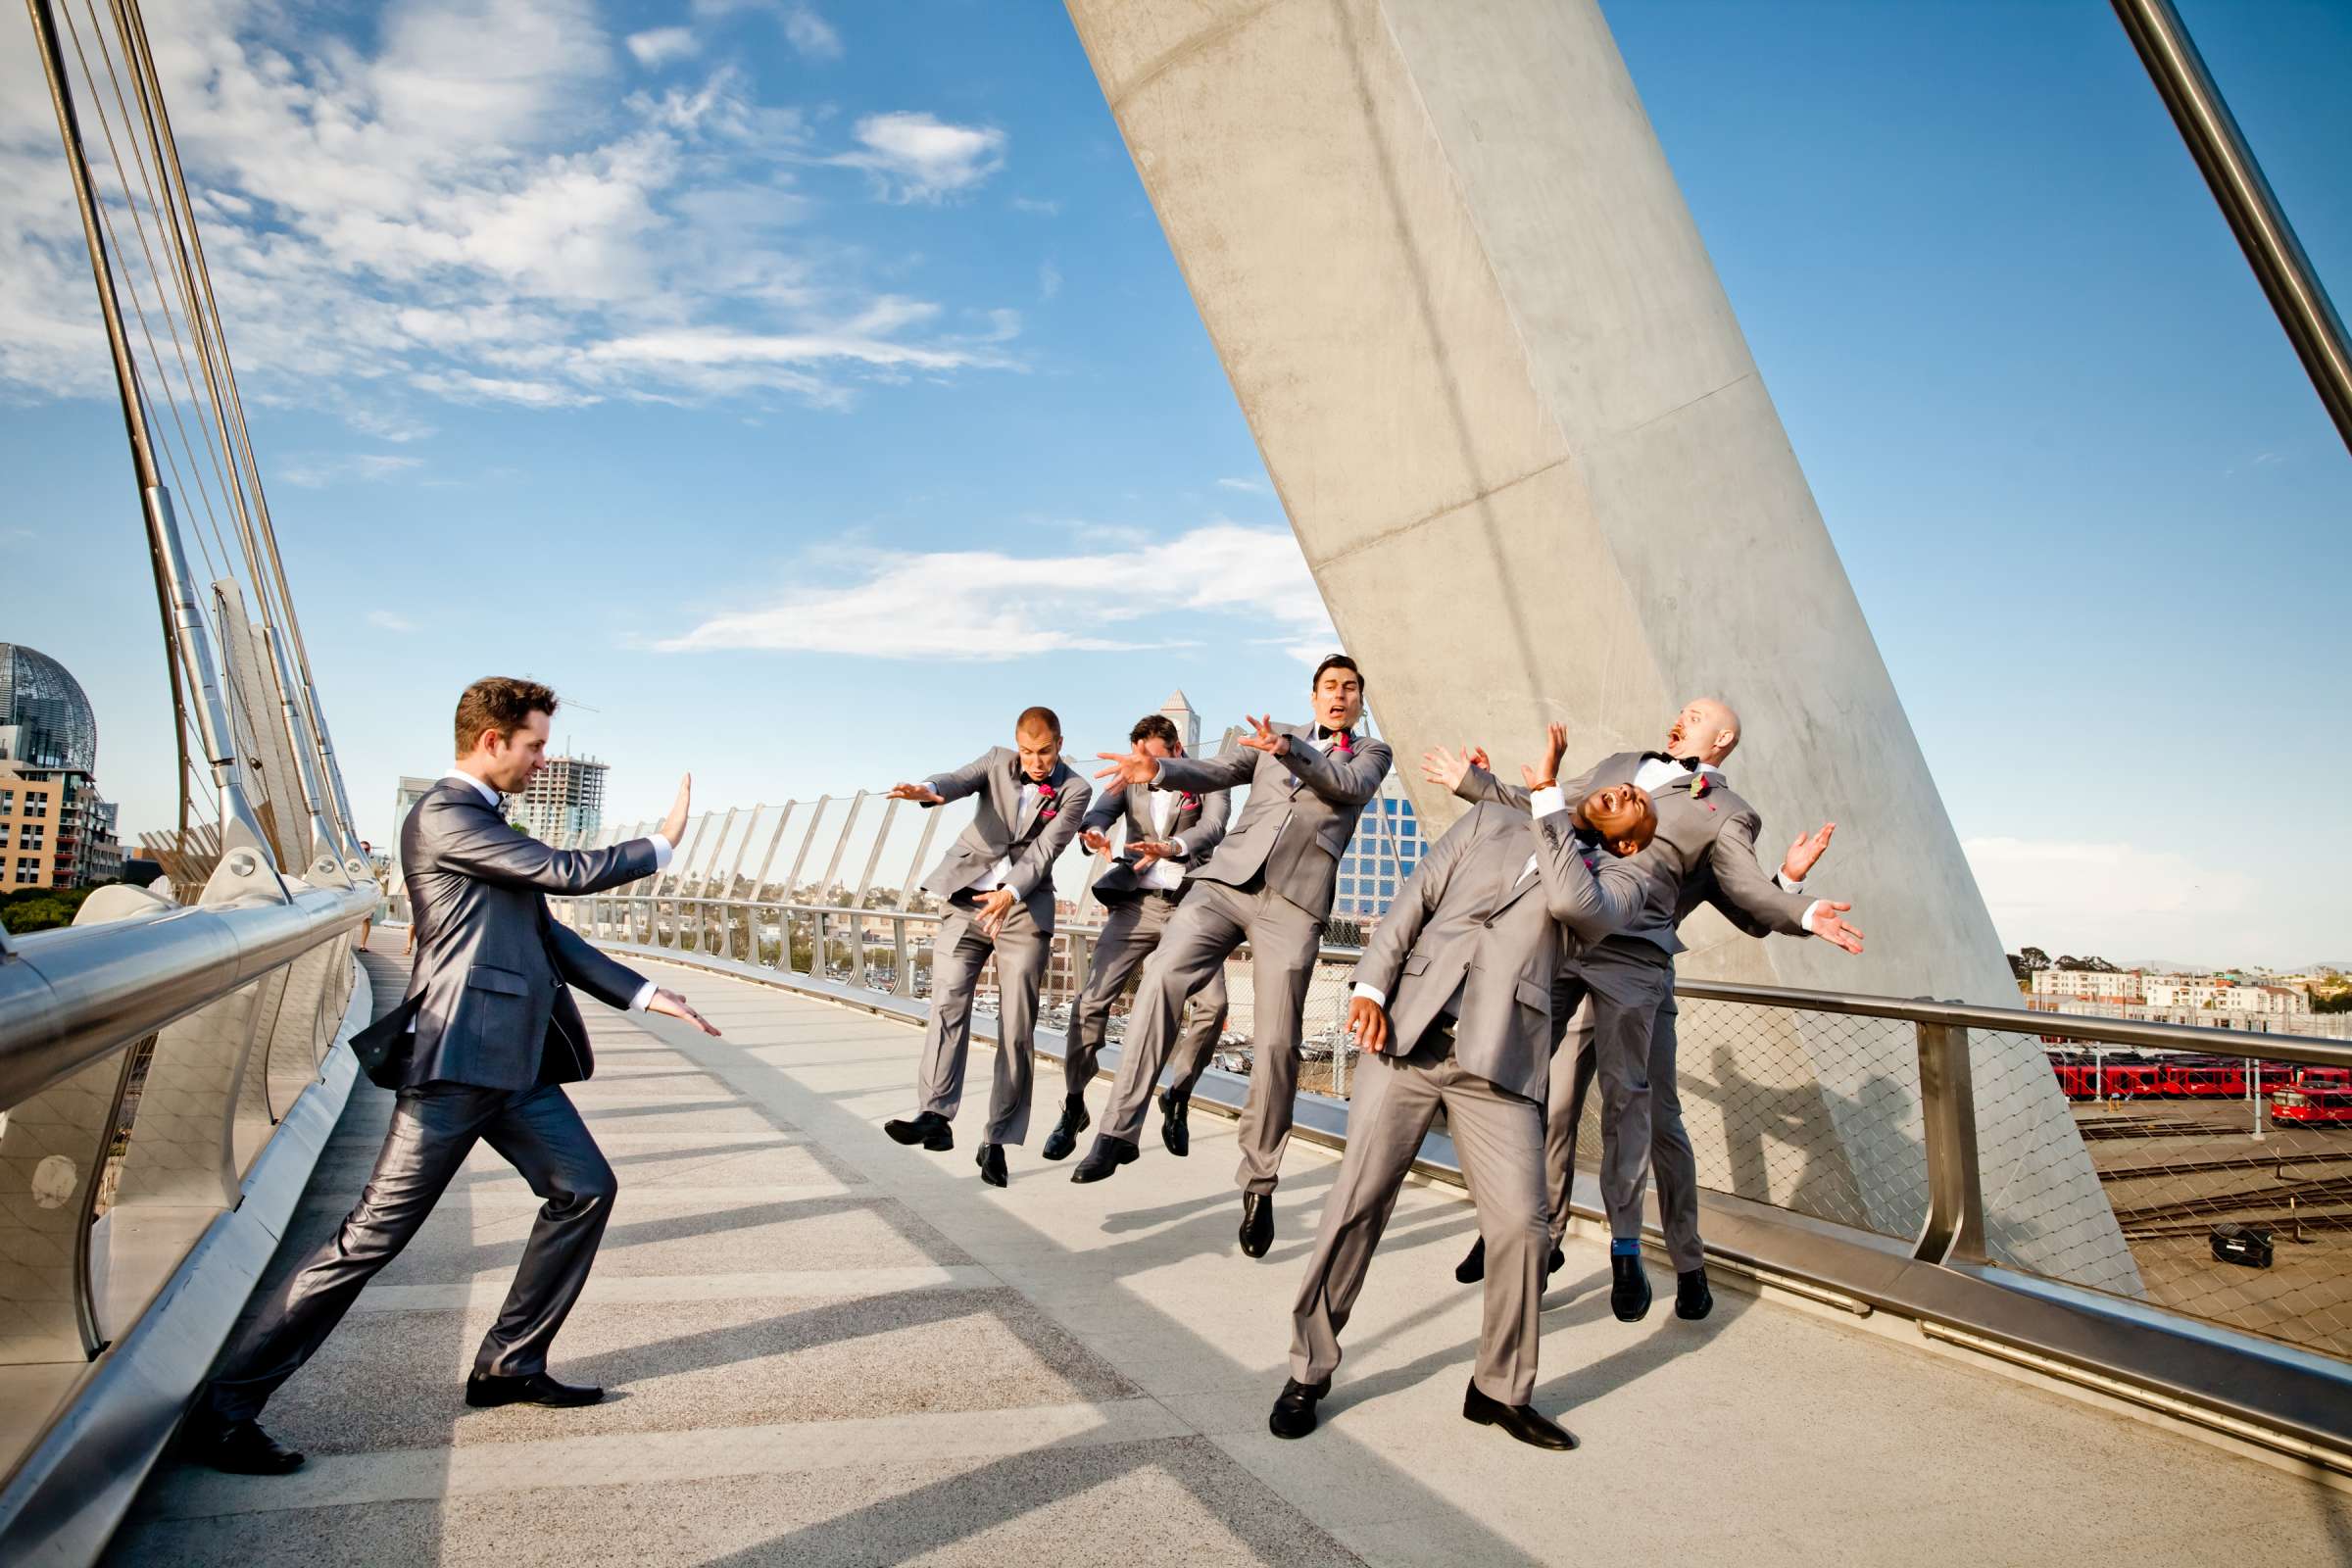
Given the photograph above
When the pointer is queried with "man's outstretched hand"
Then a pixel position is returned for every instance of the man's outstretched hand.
(1131, 768)
(921, 793)
(674, 826)
(670, 1005)
(992, 909)
(1806, 853)
(1448, 769)
(1262, 738)
(1825, 925)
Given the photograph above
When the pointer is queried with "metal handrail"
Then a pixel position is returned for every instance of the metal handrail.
(76, 996)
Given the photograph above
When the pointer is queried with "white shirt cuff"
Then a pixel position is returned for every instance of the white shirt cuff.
(1182, 854)
(644, 992)
(1372, 994)
(1781, 878)
(1546, 800)
(662, 851)
(1812, 909)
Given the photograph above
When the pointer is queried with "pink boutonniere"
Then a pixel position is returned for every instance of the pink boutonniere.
(1342, 743)
(1188, 801)
(1700, 784)
(1045, 801)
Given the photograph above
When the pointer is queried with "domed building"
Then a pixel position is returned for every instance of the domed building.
(55, 831)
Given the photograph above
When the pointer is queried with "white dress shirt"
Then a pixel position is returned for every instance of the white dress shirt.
(997, 875)
(1165, 876)
(1653, 775)
(662, 851)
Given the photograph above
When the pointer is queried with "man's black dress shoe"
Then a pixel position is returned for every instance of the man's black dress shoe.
(1172, 1130)
(241, 1447)
(1629, 1289)
(1062, 1140)
(486, 1392)
(930, 1129)
(1257, 1223)
(1473, 1266)
(1107, 1155)
(1522, 1421)
(992, 1164)
(1692, 1299)
(1295, 1412)
(1552, 1264)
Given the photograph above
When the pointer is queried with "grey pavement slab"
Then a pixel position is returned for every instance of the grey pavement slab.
(825, 1347)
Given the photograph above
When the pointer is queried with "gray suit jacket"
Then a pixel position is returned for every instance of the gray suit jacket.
(1301, 812)
(1467, 918)
(1032, 839)
(1201, 825)
(1706, 853)
(487, 993)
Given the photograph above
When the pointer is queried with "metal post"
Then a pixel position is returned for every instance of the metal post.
(2247, 200)
(1954, 1231)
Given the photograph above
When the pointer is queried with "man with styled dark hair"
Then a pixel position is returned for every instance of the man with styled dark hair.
(1270, 884)
(998, 878)
(478, 1052)
(1166, 831)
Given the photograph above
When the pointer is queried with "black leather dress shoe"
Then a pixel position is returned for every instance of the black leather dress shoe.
(992, 1164)
(1107, 1155)
(485, 1393)
(930, 1129)
(1295, 1412)
(1629, 1289)
(1062, 1140)
(1692, 1299)
(1552, 1264)
(1473, 1266)
(241, 1447)
(1257, 1223)
(1172, 1130)
(1522, 1421)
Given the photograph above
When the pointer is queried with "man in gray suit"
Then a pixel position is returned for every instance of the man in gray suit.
(1269, 884)
(998, 878)
(476, 1052)
(1706, 853)
(1166, 830)
(1452, 1009)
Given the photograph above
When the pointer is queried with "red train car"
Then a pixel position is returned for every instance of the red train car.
(2205, 1080)
(2315, 1103)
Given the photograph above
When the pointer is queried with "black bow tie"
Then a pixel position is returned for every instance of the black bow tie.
(1689, 764)
(1323, 734)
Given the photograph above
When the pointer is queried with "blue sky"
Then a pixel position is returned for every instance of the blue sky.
(703, 334)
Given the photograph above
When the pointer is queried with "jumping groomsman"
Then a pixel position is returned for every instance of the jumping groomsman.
(1706, 853)
(1452, 1008)
(477, 1051)
(998, 878)
(1167, 830)
(1269, 884)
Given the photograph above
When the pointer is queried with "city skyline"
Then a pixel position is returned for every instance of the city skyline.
(869, 406)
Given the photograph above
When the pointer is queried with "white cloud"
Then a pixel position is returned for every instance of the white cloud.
(1245, 486)
(386, 620)
(2111, 898)
(985, 605)
(920, 157)
(459, 202)
(660, 46)
(1049, 280)
(315, 472)
(1031, 204)
(812, 35)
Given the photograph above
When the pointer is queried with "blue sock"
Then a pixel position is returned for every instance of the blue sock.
(1625, 1246)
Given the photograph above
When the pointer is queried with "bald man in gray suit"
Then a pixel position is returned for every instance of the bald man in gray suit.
(1452, 1009)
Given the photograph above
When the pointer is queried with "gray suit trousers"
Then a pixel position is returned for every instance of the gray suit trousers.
(1131, 932)
(957, 958)
(1500, 1137)
(1623, 1034)
(434, 1127)
(1210, 924)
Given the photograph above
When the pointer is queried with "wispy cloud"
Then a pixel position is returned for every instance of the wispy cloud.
(1221, 579)
(920, 157)
(1245, 486)
(812, 35)
(317, 472)
(1036, 205)
(386, 620)
(462, 204)
(660, 46)
(1049, 280)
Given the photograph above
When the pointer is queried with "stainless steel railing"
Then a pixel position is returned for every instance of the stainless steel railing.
(1845, 1143)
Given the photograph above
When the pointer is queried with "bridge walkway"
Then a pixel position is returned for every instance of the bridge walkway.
(825, 1348)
